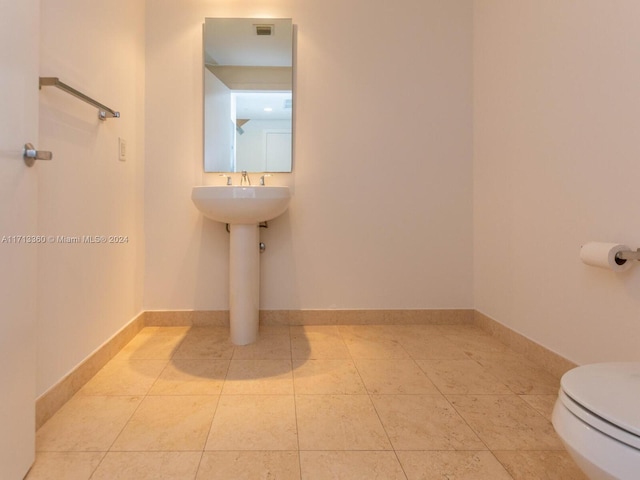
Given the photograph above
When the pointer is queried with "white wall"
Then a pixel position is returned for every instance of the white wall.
(556, 164)
(86, 293)
(381, 215)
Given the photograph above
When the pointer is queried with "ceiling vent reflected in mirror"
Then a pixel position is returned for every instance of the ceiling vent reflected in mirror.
(264, 30)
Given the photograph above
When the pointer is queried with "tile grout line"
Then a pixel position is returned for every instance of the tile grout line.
(295, 404)
(98, 465)
(130, 416)
(393, 449)
(459, 414)
(461, 417)
(215, 410)
(147, 395)
(115, 439)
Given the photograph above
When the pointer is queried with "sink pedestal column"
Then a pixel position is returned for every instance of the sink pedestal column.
(244, 283)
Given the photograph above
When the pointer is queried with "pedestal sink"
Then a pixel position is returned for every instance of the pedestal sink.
(243, 208)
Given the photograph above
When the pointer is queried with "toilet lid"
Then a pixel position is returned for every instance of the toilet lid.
(609, 390)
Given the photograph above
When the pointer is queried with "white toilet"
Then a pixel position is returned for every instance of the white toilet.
(597, 416)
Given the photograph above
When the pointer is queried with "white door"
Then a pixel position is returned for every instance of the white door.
(278, 151)
(19, 43)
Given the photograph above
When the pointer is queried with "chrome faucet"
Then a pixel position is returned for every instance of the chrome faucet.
(245, 178)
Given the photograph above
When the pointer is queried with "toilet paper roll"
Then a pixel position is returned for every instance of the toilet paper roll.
(603, 255)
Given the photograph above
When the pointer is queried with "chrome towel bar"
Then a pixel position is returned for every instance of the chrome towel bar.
(104, 111)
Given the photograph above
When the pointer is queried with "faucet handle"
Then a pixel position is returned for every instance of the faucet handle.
(263, 177)
(228, 178)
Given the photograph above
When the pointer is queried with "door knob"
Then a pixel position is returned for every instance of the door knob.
(30, 154)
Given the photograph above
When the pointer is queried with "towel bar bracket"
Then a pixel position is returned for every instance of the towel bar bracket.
(104, 112)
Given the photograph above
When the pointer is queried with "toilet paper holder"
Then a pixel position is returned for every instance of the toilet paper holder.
(612, 256)
(622, 257)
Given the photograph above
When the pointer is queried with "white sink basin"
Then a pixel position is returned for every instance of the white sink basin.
(241, 205)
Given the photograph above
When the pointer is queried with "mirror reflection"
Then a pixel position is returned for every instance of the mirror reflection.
(248, 97)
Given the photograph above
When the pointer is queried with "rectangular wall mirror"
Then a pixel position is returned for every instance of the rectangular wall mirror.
(248, 94)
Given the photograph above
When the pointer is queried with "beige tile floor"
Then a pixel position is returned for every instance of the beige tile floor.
(325, 402)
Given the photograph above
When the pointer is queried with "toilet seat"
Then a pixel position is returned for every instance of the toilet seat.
(606, 396)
